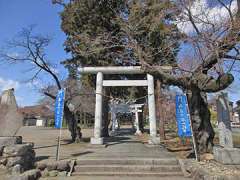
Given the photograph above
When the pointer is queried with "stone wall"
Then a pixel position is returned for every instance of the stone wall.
(18, 159)
(15, 156)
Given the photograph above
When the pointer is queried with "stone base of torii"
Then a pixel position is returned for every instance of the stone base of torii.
(100, 83)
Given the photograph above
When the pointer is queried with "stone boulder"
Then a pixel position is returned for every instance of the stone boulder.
(51, 165)
(19, 154)
(27, 175)
(12, 161)
(17, 150)
(17, 169)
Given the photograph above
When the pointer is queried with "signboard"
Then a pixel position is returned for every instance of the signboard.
(182, 116)
(59, 106)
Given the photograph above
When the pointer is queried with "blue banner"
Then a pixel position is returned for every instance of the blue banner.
(182, 116)
(59, 106)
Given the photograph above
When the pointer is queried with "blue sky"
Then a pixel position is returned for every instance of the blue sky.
(15, 15)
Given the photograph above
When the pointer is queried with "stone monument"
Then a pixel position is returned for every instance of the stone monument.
(225, 153)
(224, 123)
(10, 119)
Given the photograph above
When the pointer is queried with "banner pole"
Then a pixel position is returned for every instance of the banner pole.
(59, 143)
(193, 137)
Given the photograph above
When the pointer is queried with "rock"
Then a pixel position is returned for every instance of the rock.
(227, 156)
(53, 173)
(18, 139)
(63, 165)
(32, 174)
(3, 167)
(17, 150)
(49, 164)
(44, 173)
(3, 161)
(62, 174)
(28, 175)
(41, 165)
(1, 150)
(17, 169)
(29, 161)
(52, 166)
(207, 157)
(8, 141)
(12, 161)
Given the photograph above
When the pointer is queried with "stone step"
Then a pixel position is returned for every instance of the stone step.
(150, 161)
(133, 174)
(127, 168)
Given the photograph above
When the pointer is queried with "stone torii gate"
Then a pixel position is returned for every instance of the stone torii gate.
(100, 83)
(116, 108)
(136, 108)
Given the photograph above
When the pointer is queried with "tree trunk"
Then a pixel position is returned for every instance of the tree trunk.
(72, 124)
(106, 120)
(200, 117)
(160, 114)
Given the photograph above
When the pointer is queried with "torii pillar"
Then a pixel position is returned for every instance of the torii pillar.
(97, 139)
(152, 112)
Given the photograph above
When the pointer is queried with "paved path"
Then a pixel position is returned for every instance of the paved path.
(126, 145)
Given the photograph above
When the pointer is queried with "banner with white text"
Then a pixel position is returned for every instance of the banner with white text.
(59, 107)
(182, 116)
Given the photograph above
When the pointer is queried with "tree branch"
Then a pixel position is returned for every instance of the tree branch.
(50, 95)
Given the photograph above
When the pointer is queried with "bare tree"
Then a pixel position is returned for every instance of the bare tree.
(32, 52)
(215, 41)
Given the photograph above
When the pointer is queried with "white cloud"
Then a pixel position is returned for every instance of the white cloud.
(8, 83)
(203, 13)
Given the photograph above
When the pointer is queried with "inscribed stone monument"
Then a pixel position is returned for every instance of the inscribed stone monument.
(10, 119)
(224, 123)
(225, 154)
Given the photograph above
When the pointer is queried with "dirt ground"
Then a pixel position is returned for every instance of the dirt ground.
(45, 142)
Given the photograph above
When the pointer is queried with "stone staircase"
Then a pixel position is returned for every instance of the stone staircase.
(144, 167)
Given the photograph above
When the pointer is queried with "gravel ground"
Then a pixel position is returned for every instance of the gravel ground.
(210, 170)
(216, 168)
